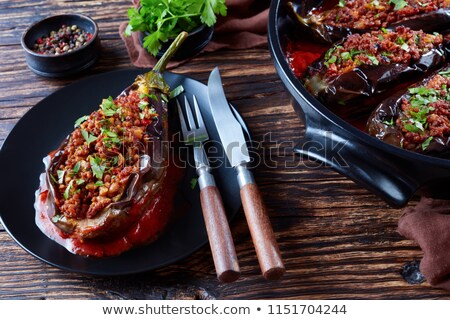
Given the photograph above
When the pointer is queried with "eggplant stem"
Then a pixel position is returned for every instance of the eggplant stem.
(161, 65)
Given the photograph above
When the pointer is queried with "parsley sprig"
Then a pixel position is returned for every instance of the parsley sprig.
(164, 20)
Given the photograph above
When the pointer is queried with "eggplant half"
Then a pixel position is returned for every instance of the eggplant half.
(333, 20)
(105, 179)
(360, 71)
(417, 119)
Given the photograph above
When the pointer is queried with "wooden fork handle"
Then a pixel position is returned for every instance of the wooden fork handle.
(219, 234)
(266, 246)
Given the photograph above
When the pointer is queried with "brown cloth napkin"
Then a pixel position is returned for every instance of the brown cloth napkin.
(244, 27)
(428, 223)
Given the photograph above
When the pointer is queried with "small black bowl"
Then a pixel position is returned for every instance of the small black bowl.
(196, 40)
(68, 63)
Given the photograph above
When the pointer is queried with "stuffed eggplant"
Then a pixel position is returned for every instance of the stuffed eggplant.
(332, 20)
(357, 73)
(418, 119)
(109, 186)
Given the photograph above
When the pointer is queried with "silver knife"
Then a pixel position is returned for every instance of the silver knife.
(236, 149)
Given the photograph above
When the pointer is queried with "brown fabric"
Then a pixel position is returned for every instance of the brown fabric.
(244, 27)
(428, 223)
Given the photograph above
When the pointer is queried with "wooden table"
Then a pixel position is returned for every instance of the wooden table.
(338, 240)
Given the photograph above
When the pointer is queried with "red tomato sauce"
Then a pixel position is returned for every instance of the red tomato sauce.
(303, 52)
(146, 230)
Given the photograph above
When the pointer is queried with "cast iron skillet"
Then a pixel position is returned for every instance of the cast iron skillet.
(392, 173)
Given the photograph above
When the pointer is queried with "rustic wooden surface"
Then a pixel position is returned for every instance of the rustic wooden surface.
(338, 240)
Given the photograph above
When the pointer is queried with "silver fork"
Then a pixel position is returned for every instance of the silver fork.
(219, 234)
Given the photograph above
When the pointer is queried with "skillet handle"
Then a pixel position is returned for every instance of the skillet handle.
(380, 173)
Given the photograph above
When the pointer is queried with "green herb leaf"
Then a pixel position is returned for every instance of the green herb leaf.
(389, 123)
(373, 59)
(98, 183)
(60, 174)
(150, 96)
(405, 47)
(79, 121)
(426, 143)
(108, 107)
(341, 3)
(176, 92)
(410, 127)
(88, 137)
(194, 182)
(80, 182)
(346, 55)
(97, 168)
(399, 4)
(332, 59)
(76, 167)
(212, 8)
(56, 218)
(164, 20)
(445, 73)
(142, 104)
(384, 30)
(67, 191)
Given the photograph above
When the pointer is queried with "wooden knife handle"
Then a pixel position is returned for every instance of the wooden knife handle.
(219, 234)
(266, 246)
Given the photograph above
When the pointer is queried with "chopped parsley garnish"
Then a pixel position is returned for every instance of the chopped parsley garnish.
(76, 168)
(384, 30)
(150, 96)
(60, 174)
(80, 182)
(67, 191)
(376, 3)
(346, 55)
(142, 104)
(410, 127)
(194, 182)
(405, 47)
(108, 107)
(111, 137)
(389, 123)
(56, 218)
(88, 137)
(97, 168)
(373, 59)
(445, 73)
(399, 4)
(98, 183)
(176, 92)
(341, 3)
(164, 97)
(400, 40)
(426, 143)
(332, 59)
(79, 121)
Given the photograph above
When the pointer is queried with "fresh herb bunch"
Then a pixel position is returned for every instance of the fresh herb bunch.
(165, 19)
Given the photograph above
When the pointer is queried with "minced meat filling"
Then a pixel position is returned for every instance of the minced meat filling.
(101, 154)
(425, 113)
(375, 14)
(379, 47)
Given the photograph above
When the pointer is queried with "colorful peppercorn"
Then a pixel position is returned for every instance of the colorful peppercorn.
(66, 39)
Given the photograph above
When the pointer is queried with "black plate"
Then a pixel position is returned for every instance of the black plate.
(42, 130)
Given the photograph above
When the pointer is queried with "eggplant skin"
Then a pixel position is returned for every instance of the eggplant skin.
(387, 121)
(354, 93)
(311, 15)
